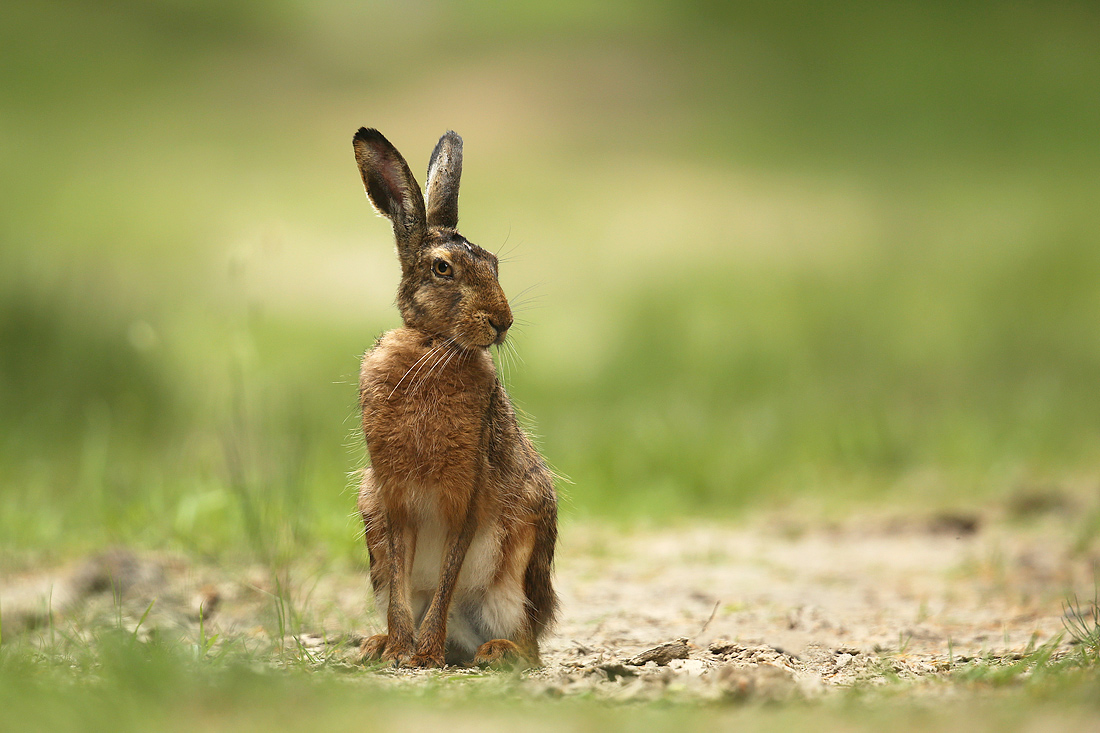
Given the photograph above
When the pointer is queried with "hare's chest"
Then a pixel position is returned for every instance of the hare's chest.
(424, 414)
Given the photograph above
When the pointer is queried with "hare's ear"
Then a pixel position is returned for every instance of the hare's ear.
(392, 189)
(444, 172)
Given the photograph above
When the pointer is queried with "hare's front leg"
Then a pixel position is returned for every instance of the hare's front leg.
(390, 566)
(433, 629)
(400, 629)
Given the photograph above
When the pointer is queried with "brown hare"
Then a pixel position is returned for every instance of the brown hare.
(459, 508)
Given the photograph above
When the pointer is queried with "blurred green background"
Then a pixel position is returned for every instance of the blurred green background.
(793, 254)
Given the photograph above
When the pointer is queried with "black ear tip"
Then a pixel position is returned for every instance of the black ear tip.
(368, 135)
(452, 137)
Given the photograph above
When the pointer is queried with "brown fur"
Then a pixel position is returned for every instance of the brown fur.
(452, 476)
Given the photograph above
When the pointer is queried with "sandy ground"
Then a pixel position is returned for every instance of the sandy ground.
(771, 609)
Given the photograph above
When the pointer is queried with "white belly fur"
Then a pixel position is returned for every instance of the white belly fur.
(479, 611)
(478, 569)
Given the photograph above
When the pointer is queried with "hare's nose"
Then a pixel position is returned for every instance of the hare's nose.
(502, 325)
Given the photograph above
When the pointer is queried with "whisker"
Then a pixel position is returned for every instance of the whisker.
(507, 236)
(421, 361)
(409, 371)
(519, 302)
(438, 367)
(526, 290)
(525, 307)
(511, 351)
(517, 355)
(506, 359)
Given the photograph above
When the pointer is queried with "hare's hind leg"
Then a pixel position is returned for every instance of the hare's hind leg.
(372, 648)
(504, 654)
(538, 577)
(540, 602)
(505, 608)
(389, 545)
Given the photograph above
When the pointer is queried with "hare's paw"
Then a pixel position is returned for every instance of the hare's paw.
(501, 654)
(371, 648)
(379, 648)
(399, 654)
(423, 660)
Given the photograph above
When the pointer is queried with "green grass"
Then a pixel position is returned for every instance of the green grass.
(120, 683)
(1082, 622)
(778, 254)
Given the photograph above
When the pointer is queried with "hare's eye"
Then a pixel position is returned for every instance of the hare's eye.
(443, 268)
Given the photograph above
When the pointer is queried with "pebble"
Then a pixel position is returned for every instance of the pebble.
(693, 667)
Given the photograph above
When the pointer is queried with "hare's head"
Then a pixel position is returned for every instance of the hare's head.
(448, 285)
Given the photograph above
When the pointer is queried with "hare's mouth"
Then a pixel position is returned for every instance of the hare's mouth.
(498, 338)
(479, 340)
(487, 331)
(491, 341)
(499, 329)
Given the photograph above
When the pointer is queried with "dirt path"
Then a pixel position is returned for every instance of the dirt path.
(764, 610)
(830, 606)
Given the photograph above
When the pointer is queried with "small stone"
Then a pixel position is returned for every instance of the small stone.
(721, 647)
(311, 641)
(663, 654)
(614, 671)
